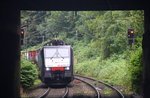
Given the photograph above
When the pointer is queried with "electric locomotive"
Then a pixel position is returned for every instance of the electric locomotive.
(55, 61)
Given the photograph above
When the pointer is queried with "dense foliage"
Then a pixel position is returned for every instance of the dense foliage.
(136, 70)
(99, 39)
(28, 74)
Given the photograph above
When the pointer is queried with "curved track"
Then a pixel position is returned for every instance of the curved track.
(66, 92)
(117, 91)
(91, 85)
(80, 87)
(47, 93)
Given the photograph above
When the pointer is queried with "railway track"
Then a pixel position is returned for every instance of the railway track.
(45, 93)
(51, 93)
(92, 86)
(80, 87)
(101, 86)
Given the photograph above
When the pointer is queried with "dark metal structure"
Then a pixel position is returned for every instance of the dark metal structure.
(10, 39)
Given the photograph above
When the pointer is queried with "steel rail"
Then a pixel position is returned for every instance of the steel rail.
(45, 93)
(119, 93)
(98, 94)
(66, 92)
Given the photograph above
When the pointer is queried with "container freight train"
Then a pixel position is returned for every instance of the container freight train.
(31, 56)
(55, 61)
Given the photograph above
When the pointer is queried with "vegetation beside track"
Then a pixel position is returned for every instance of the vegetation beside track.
(28, 74)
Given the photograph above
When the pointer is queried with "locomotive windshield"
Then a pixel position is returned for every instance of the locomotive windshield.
(57, 56)
(56, 53)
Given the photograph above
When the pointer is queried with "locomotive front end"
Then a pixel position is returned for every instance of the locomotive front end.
(58, 64)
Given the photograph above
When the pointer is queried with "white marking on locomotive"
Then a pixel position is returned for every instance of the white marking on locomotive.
(57, 57)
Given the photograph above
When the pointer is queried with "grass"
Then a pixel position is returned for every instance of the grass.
(37, 81)
(108, 91)
(113, 71)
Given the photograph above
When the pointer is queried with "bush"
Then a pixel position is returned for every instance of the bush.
(28, 74)
(136, 70)
(85, 52)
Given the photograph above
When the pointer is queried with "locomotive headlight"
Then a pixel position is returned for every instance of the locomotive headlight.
(47, 69)
(67, 68)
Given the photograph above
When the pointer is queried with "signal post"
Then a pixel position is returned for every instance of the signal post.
(130, 36)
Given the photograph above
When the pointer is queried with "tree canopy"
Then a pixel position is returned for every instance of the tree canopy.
(107, 30)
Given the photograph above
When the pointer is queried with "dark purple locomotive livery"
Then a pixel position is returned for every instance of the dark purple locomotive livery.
(55, 61)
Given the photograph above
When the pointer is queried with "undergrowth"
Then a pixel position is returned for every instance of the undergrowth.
(121, 70)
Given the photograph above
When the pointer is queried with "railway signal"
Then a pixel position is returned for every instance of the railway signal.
(22, 35)
(130, 35)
